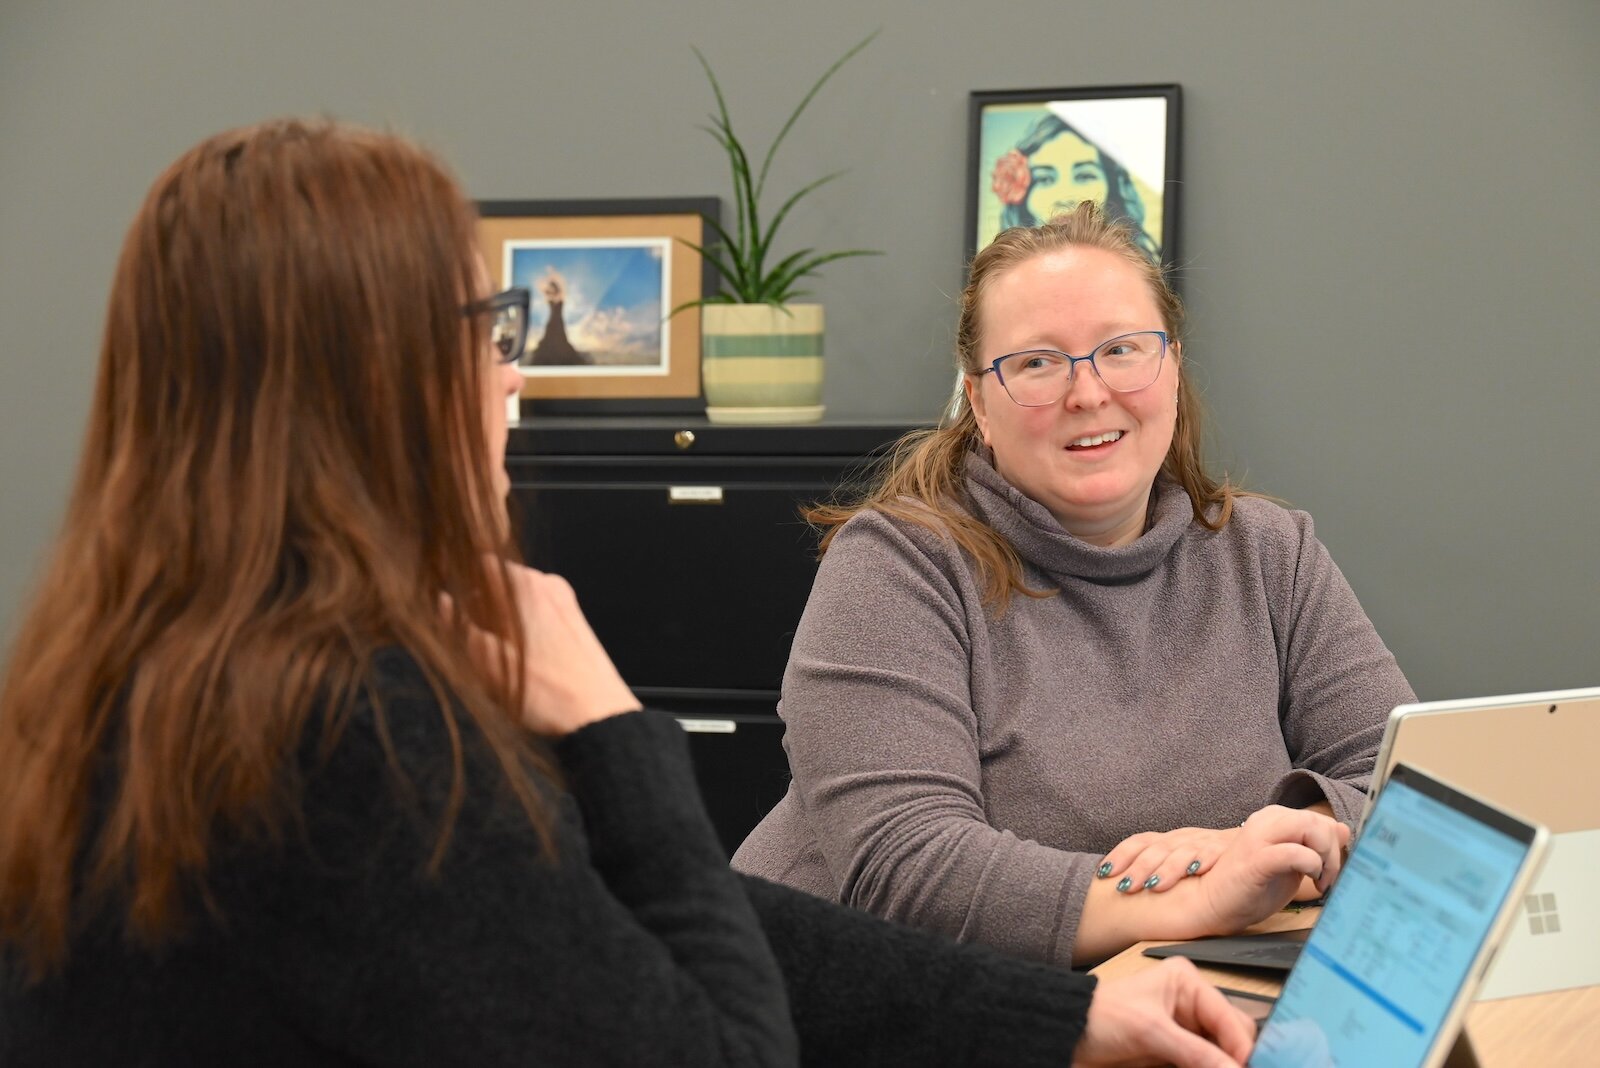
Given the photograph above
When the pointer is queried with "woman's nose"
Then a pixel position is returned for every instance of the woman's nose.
(1084, 388)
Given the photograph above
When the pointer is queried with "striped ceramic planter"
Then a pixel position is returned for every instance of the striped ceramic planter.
(762, 364)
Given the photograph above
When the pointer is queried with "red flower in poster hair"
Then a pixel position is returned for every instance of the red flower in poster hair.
(1012, 177)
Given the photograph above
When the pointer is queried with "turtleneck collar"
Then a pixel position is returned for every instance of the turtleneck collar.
(1041, 541)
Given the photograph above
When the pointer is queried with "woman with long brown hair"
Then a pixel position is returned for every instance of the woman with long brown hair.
(1058, 689)
(298, 765)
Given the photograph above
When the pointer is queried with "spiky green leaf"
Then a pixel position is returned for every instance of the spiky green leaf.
(739, 256)
(782, 212)
(766, 164)
(809, 267)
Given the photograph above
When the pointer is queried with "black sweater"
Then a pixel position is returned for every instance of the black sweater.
(634, 945)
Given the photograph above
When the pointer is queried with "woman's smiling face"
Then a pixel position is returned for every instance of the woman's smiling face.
(1092, 456)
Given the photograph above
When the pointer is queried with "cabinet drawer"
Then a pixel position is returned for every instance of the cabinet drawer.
(684, 543)
(689, 583)
(741, 767)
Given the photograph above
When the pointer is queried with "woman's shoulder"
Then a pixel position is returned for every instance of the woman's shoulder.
(396, 720)
(895, 536)
(398, 758)
(1268, 522)
(394, 672)
(895, 553)
(395, 684)
(900, 521)
(1277, 540)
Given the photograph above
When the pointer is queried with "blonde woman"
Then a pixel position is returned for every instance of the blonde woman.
(1050, 665)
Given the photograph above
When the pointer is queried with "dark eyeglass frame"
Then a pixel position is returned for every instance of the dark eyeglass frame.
(517, 301)
(1072, 366)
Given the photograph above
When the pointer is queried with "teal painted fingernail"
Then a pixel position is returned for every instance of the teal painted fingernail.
(1149, 884)
(1105, 869)
(1125, 885)
(1194, 866)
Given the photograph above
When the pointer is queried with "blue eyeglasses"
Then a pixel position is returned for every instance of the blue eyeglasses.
(1036, 377)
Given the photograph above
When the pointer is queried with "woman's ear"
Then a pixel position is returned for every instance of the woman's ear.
(970, 383)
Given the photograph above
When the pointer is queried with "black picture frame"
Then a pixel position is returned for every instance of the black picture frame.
(1125, 149)
(515, 233)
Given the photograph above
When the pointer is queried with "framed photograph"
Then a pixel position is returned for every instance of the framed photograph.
(1035, 153)
(604, 275)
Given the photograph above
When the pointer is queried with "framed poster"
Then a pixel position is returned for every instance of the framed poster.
(604, 274)
(1033, 153)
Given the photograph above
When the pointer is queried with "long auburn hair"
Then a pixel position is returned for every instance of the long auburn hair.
(285, 468)
(924, 477)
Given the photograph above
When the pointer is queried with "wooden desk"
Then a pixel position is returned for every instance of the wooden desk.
(1560, 1028)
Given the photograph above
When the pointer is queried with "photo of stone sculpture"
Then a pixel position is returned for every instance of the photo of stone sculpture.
(598, 305)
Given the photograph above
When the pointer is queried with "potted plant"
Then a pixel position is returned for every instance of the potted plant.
(762, 351)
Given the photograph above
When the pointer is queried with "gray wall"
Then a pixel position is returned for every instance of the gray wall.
(1388, 226)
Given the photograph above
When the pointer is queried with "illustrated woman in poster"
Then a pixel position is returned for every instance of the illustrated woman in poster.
(1042, 159)
(1053, 168)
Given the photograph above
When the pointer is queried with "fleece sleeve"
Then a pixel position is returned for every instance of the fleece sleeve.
(883, 741)
(1339, 681)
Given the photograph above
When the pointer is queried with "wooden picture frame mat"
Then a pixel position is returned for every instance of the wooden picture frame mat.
(683, 380)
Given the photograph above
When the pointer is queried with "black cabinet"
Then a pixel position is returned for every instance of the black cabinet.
(686, 548)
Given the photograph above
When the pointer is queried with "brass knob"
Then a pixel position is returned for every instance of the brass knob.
(683, 439)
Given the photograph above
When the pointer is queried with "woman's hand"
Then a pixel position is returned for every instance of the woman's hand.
(1260, 870)
(1263, 866)
(1164, 1015)
(568, 680)
(1156, 860)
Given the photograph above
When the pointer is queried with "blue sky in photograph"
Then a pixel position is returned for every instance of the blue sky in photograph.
(614, 299)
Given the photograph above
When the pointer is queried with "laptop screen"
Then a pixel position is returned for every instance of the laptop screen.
(1420, 893)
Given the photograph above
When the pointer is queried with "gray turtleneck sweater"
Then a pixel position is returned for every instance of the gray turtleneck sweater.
(964, 773)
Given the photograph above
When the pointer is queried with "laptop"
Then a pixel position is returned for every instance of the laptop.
(1425, 897)
(1534, 754)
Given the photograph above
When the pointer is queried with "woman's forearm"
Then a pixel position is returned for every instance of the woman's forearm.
(1112, 921)
(1262, 869)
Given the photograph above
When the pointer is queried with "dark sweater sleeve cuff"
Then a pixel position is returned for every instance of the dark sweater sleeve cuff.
(646, 735)
(1031, 1013)
(634, 784)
